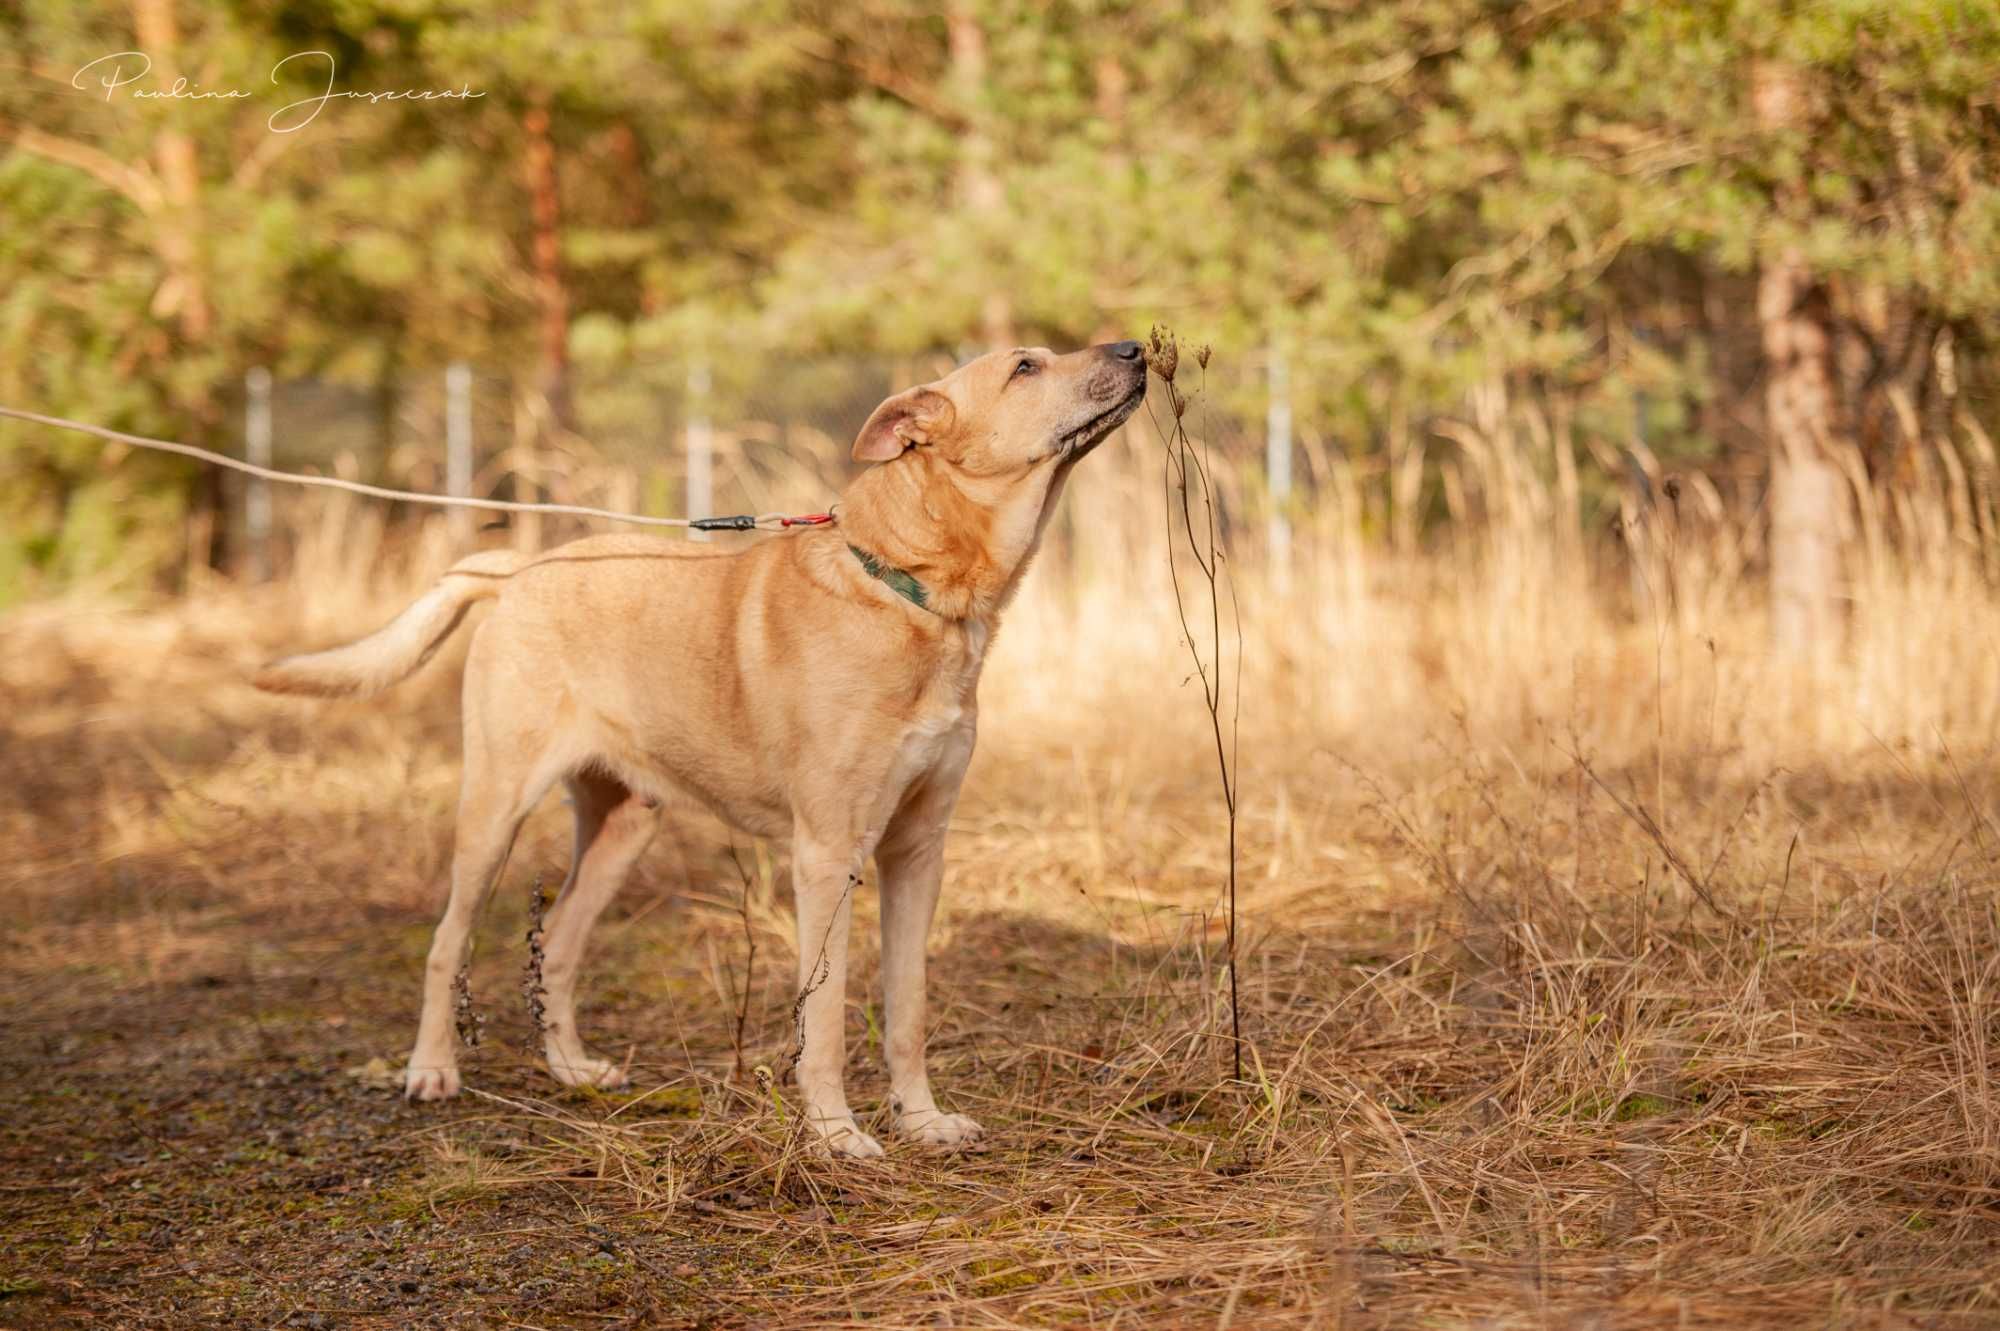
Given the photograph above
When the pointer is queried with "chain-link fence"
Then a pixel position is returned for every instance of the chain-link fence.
(687, 439)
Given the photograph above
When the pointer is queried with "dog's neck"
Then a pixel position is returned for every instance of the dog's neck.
(967, 539)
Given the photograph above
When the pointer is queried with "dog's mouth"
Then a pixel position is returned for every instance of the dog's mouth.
(1088, 435)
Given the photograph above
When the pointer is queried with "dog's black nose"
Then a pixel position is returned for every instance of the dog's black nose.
(1126, 350)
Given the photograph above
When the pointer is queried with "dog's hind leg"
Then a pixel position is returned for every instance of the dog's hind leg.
(613, 828)
(493, 800)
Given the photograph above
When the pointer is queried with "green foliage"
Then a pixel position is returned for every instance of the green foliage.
(1414, 197)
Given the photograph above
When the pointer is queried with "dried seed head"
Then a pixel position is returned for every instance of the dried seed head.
(1201, 356)
(1163, 353)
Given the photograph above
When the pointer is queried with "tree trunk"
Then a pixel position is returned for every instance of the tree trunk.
(1803, 413)
(636, 211)
(183, 295)
(978, 187)
(551, 291)
(1801, 405)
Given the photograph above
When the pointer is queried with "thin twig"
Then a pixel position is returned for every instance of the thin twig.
(469, 1023)
(532, 987)
(1185, 470)
(749, 966)
(822, 969)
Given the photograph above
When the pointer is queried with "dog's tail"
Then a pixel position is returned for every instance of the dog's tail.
(395, 651)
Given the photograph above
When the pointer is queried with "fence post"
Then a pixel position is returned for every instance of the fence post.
(257, 452)
(1278, 463)
(458, 448)
(700, 449)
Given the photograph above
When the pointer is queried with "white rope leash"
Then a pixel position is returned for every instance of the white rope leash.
(760, 522)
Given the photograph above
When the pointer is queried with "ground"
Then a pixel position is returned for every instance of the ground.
(1530, 1040)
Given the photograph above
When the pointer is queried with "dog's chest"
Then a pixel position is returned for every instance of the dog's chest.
(926, 738)
(938, 738)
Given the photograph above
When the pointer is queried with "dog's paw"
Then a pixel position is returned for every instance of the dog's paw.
(588, 1071)
(939, 1129)
(851, 1142)
(430, 1082)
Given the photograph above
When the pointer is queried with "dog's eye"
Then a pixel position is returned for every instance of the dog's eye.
(1026, 366)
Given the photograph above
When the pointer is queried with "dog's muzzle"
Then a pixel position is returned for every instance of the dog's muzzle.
(1083, 438)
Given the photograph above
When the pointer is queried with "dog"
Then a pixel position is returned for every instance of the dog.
(820, 685)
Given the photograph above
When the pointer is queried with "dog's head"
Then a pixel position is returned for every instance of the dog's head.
(1011, 412)
(970, 467)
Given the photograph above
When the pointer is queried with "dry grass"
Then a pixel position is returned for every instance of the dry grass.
(1597, 970)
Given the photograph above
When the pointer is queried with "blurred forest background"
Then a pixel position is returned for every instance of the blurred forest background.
(1602, 419)
(1598, 270)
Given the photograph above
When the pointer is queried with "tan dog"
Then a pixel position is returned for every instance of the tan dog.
(820, 685)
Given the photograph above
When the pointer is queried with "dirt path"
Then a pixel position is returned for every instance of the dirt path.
(1509, 1067)
(207, 1149)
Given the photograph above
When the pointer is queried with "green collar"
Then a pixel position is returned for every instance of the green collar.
(897, 580)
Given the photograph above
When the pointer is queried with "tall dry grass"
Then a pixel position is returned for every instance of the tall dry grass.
(1484, 579)
(1600, 968)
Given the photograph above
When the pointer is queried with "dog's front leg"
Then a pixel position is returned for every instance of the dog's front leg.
(824, 884)
(912, 863)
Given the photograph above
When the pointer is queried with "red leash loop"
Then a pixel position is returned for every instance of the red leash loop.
(807, 520)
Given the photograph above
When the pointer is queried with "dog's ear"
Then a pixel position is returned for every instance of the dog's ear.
(913, 417)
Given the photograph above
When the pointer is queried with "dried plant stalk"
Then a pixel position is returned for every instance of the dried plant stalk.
(532, 987)
(1191, 511)
(470, 1023)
